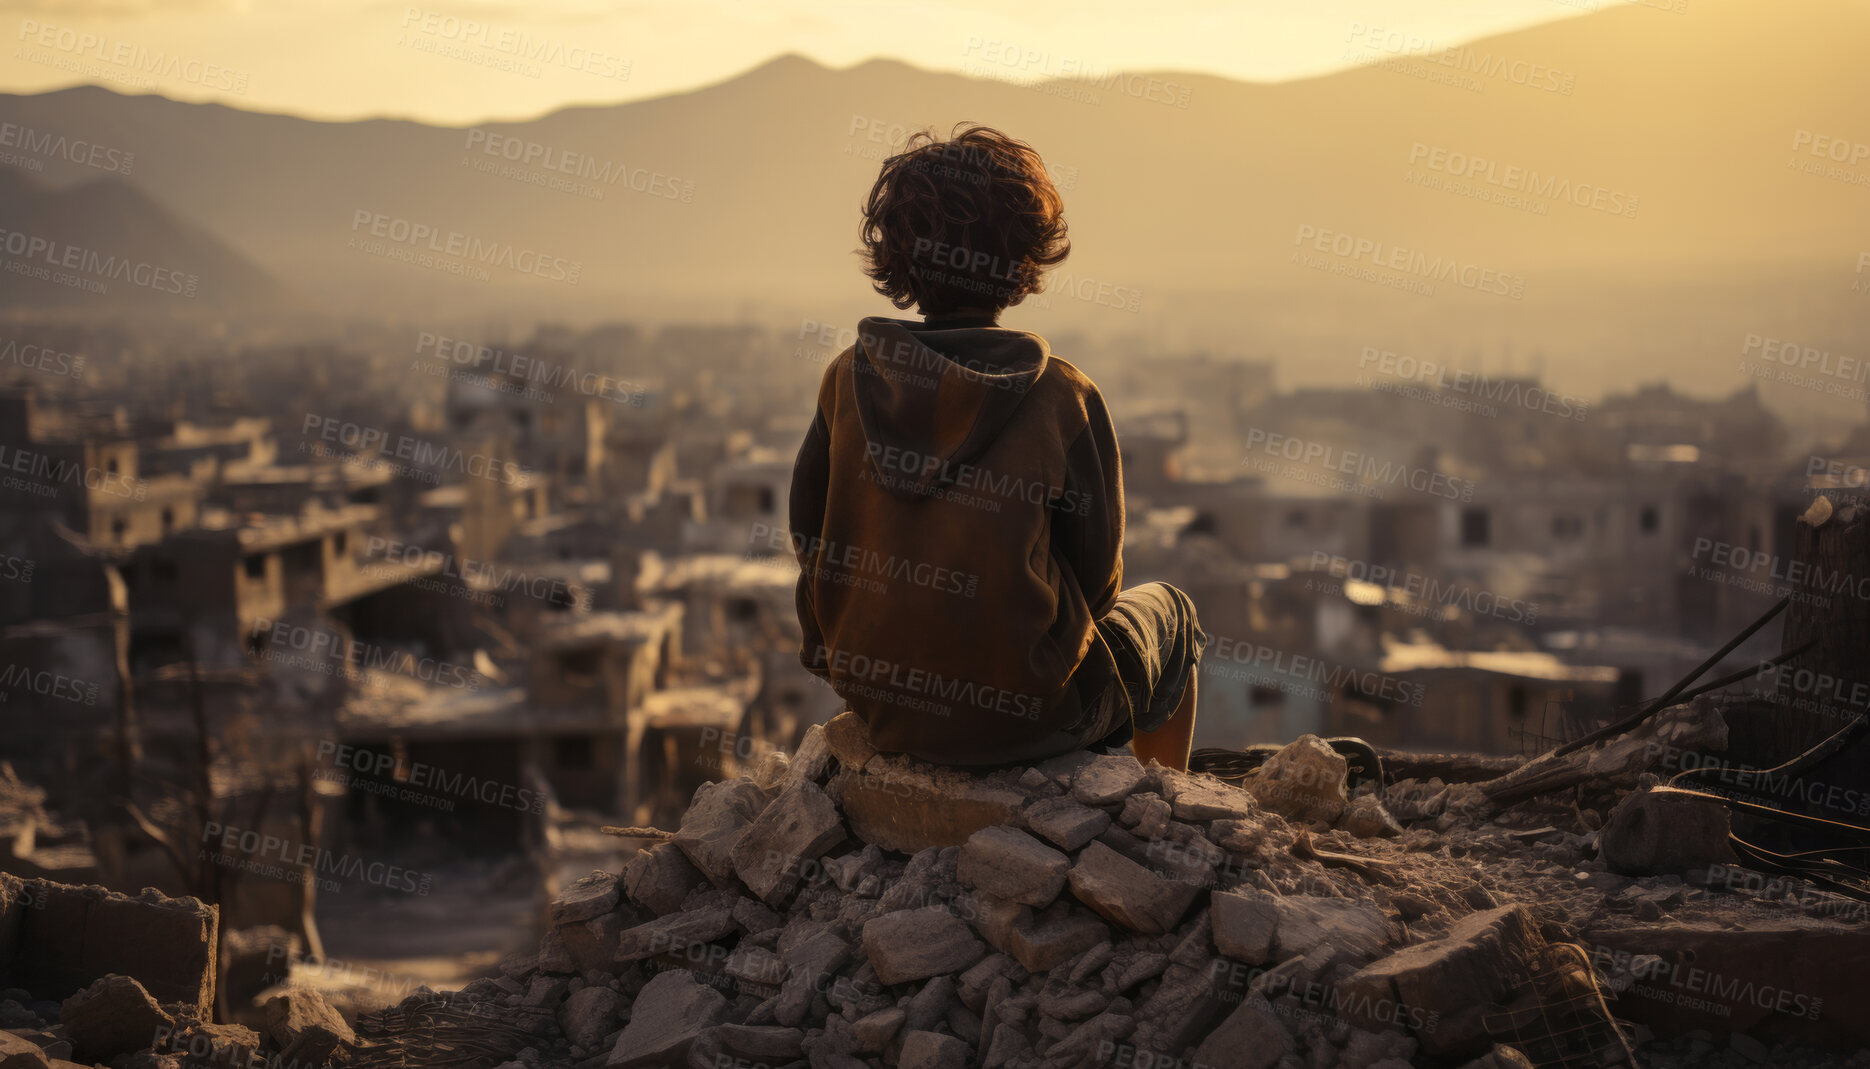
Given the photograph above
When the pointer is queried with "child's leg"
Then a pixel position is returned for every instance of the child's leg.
(1170, 743)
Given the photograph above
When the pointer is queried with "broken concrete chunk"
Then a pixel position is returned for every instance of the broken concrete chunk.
(933, 1050)
(1244, 923)
(1251, 1038)
(1124, 892)
(915, 944)
(17, 1052)
(812, 759)
(588, 1016)
(1107, 779)
(300, 1008)
(112, 1016)
(1664, 832)
(590, 897)
(898, 803)
(1366, 818)
(1442, 990)
(1303, 782)
(796, 829)
(660, 878)
(849, 741)
(675, 932)
(1068, 824)
(1199, 799)
(717, 816)
(1012, 865)
(668, 1014)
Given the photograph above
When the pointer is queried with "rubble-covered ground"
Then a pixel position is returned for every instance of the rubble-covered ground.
(839, 908)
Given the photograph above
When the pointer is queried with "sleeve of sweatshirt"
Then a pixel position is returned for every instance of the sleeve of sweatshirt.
(1089, 523)
(811, 474)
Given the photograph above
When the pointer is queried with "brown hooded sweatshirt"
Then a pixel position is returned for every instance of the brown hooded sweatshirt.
(957, 512)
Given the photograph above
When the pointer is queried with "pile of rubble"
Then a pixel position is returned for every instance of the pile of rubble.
(841, 908)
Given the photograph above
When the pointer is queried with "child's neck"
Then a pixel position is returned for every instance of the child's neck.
(972, 317)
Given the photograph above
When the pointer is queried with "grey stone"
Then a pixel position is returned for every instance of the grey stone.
(874, 1031)
(1452, 982)
(1107, 779)
(933, 1050)
(590, 897)
(1199, 799)
(797, 828)
(1251, 1038)
(812, 759)
(19, 1053)
(1012, 865)
(915, 944)
(849, 741)
(1304, 782)
(669, 1013)
(717, 816)
(658, 879)
(588, 1016)
(1068, 824)
(1664, 831)
(1125, 893)
(291, 1013)
(677, 931)
(1244, 924)
(112, 1016)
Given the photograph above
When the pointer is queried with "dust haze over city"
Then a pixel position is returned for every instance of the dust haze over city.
(408, 414)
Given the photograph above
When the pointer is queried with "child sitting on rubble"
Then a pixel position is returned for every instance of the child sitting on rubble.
(957, 505)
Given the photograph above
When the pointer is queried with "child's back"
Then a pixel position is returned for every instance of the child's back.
(957, 505)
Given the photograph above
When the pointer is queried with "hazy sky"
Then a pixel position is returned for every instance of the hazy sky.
(461, 62)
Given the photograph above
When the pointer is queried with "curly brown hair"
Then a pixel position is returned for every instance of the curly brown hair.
(973, 221)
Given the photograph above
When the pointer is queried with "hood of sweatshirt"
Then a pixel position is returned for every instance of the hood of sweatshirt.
(932, 397)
